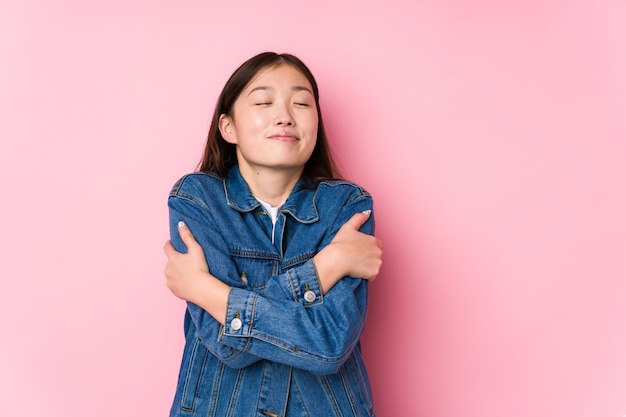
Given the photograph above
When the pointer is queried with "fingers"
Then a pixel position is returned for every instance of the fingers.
(169, 249)
(187, 237)
(170, 252)
(358, 220)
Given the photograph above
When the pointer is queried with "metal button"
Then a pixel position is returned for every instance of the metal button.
(310, 296)
(235, 324)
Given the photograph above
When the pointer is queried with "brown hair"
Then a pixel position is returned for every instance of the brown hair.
(219, 156)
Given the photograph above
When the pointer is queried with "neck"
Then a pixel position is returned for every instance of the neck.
(270, 185)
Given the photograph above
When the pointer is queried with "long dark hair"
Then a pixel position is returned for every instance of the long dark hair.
(219, 156)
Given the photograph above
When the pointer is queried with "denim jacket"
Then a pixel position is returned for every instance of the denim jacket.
(286, 350)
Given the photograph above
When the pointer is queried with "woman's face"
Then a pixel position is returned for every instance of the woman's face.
(274, 121)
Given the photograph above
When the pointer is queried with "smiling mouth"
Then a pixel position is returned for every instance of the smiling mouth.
(284, 138)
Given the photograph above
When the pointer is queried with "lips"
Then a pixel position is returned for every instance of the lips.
(284, 137)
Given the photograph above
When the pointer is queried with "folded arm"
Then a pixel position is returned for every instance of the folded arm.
(283, 322)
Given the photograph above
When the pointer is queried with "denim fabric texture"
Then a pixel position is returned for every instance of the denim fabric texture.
(286, 350)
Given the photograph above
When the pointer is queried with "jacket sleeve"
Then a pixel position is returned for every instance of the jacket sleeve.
(186, 206)
(318, 335)
(216, 252)
(290, 321)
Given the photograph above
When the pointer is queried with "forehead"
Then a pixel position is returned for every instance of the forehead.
(281, 74)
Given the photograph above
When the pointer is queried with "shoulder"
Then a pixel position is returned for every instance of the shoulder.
(198, 186)
(345, 188)
(341, 195)
(338, 200)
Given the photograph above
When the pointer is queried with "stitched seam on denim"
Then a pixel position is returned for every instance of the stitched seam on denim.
(189, 367)
(178, 192)
(286, 399)
(246, 253)
(330, 395)
(232, 404)
(296, 350)
(192, 199)
(361, 193)
(251, 320)
(235, 205)
(360, 380)
(200, 375)
(346, 387)
(286, 264)
(356, 199)
(299, 219)
(319, 285)
(276, 342)
(215, 391)
(293, 288)
(232, 355)
(258, 395)
(299, 393)
(339, 183)
(315, 218)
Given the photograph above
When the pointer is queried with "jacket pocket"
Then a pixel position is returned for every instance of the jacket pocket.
(255, 268)
(193, 378)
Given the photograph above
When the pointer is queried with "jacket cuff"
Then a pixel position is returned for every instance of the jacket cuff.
(306, 284)
(239, 317)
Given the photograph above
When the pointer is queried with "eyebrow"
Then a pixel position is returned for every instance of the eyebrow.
(294, 88)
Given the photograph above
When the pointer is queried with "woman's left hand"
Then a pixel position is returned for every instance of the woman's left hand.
(185, 272)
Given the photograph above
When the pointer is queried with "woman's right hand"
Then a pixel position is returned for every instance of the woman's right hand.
(351, 253)
(188, 276)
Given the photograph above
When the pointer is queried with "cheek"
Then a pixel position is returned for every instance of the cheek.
(314, 132)
(311, 125)
(250, 121)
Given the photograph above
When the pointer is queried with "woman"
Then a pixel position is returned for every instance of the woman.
(276, 271)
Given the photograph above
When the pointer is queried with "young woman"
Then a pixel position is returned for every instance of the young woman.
(276, 271)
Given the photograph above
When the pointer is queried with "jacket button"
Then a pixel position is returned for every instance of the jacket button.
(309, 296)
(235, 324)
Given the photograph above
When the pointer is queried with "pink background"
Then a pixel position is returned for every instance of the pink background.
(491, 134)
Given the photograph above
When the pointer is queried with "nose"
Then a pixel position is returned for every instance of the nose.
(284, 116)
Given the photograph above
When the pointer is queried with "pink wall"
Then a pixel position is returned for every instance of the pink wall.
(492, 136)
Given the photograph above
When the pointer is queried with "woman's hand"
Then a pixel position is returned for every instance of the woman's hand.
(188, 276)
(185, 270)
(350, 253)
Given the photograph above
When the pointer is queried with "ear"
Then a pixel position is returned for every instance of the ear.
(227, 129)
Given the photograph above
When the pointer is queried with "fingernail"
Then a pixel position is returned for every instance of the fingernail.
(368, 212)
(182, 225)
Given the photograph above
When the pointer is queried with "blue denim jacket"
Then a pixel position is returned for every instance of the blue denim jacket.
(286, 349)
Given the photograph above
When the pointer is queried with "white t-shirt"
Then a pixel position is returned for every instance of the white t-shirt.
(273, 211)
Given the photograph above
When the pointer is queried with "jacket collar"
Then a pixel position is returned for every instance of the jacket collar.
(300, 203)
